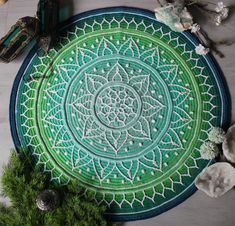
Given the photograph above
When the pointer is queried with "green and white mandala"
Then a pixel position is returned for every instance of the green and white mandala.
(123, 104)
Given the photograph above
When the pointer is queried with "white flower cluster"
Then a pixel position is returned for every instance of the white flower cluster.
(202, 50)
(216, 135)
(209, 150)
(222, 11)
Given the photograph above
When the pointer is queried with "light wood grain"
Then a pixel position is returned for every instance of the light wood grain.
(198, 210)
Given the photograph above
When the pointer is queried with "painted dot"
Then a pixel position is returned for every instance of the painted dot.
(137, 40)
(126, 149)
(88, 169)
(56, 79)
(44, 97)
(43, 111)
(66, 153)
(143, 171)
(77, 128)
(140, 70)
(131, 142)
(100, 141)
(150, 45)
(80, 81)
(186, 105)
(108, 64)
(73, 52)
(91, 143)
(50, 139)
(80, 171)
(127, 65)
(124, 38)
(182, 132)
(176, 153)
(48, 83)
(62, 60)
(58, 152)
(67, 162)
(97, 40)
(111, 37)
(160, 116)
(152, 173)
(191, 113)
(190, 98)
(162, 52)
(52, 130)
(184, 141)
(172, 61)
(82, 90)
(118, 42)
(132, 72)
(154, 83)
(164, 60)
(153, 121)
(123, 182)
(181, 72)
(48, 104)
(189, 127)
(155, 129)
(167, 156)
(186, 84)
(73, 115)
(103, 71)
(54, 72)
(74, 94)
(140, 144)
(105, 149)
(138, 178)
(108, 180)
(165, 164)
(115, 176)
(45, 126)
(95, 69)
(142, 47)
(179, 80)
(152, 91)
(160, 96)
(84, 44)
(92, 46)
(71, 59)
(93, 177)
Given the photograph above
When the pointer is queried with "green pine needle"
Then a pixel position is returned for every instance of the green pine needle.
(22, 183)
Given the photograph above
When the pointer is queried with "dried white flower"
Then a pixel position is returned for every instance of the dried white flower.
(209, 150)
(195, 28)
(216, 135)
(219, 7)
(201, 50)
(218, 20)
(224, 13)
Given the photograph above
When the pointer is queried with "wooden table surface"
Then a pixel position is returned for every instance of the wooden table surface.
(198, 210)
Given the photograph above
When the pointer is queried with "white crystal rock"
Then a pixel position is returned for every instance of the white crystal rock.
(229, 144)
(216, 180)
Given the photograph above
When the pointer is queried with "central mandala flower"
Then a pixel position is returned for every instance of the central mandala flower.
(115, 109)
(117, 106)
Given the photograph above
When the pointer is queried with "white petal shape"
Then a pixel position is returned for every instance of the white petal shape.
(130, 48)
(106, 48)
(116, 139)
(140, 130)
(140, 83)
(229, 144)
(216, 180)
(92, 129)
(94, 82)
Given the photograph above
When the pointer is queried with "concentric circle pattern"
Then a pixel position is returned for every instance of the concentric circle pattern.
(123, 104)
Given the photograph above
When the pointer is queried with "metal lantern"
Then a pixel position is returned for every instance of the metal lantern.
(19, 36)
(48, 200)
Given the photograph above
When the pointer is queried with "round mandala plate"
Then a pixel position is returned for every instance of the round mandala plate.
(123, 104)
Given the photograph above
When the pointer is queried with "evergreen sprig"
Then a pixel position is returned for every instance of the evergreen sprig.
(22, 183)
